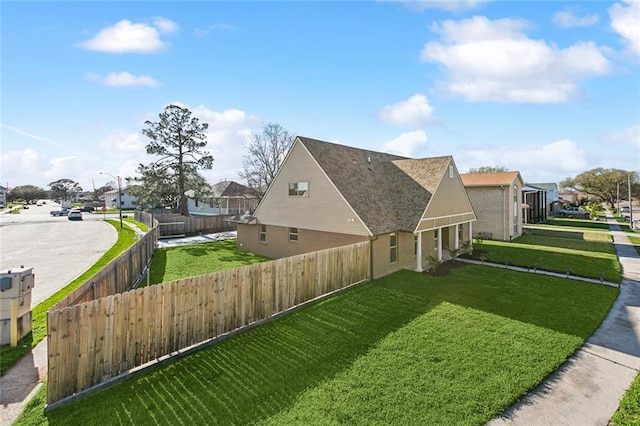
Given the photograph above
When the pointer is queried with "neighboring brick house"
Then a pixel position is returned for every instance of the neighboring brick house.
(327, 195)
(497, 201)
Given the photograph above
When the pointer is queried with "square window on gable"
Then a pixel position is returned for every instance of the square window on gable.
(299, 189)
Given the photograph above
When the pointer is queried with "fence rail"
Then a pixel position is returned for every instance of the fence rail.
(93, 342)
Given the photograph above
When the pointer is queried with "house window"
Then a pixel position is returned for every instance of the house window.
(451, 171)
(299, 189)
(196, 201)
(393, 247)
(262, 234)
(460, 233)
(293, 234)
(415, 244)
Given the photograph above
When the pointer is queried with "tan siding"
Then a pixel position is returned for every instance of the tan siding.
(450, 197)
(323, 210)
(381, 254)
(278, 244)
(449, 205)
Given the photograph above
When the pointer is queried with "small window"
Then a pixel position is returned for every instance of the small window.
(262, 234)
(415, 244)
(293, 234)
(299, 189)
(460, 233)
(393, 247)
(451, 171)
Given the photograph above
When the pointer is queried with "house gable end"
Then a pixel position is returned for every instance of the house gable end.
(321, 208)
(449, 204)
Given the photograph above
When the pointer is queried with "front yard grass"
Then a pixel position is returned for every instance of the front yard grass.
(409, 348)
(635, 241)
(589, 256)
(174, 263)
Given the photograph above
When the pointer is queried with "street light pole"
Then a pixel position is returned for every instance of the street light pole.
(630, 202)
(119, 193)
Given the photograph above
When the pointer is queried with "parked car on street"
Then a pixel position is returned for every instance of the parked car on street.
(88, 209)
(625, 211)
(61, 212)
(574, 212)
(74, 214)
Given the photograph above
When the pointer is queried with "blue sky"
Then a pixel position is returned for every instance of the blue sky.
(549, 88)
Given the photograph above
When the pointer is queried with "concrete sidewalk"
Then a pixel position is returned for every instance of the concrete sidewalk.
(587, 389)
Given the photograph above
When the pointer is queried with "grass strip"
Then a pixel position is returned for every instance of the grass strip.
(174, 263)
(465, 345)
(586, 258)
(628, 413)
(8, 355)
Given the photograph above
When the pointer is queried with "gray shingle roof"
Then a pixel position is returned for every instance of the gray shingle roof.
(388, 192)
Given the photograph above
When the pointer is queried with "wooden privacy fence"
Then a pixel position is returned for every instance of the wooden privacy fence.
(93, 342)
(119, 274)
(176, 224)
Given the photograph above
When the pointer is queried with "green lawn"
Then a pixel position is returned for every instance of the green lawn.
(174, 263)
(587, 224)
(8, 355)
(587, 254)
(635, 241)
(628, 412)
(405, 349)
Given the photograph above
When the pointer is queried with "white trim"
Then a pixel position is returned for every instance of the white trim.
(419, 252)
(448, 216)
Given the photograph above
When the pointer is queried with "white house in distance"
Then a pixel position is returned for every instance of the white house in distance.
(128, 201)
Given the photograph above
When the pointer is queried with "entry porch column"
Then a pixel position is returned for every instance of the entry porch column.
(419, 252)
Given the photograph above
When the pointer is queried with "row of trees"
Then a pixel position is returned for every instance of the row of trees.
(178, 140)
(61, 189)
(605, 184)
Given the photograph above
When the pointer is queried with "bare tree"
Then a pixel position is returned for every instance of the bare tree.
(267, 150)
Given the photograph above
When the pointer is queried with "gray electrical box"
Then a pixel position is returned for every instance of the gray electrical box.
(15, 304)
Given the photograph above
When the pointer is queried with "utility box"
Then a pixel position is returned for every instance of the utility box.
(15, 304)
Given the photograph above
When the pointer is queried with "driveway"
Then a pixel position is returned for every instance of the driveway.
(59, 250)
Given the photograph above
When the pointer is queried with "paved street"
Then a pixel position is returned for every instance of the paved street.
(58, 249)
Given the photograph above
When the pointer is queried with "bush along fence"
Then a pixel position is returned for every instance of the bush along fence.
(102, 339)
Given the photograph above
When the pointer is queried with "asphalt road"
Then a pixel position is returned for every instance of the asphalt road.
(59, 250)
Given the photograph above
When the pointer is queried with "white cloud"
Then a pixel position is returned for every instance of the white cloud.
(567, 19)
(123, 79)
(407, 144)
(630, 135)
(446, 5)
(495, 61)
(128, 37)
(414, 111)
(535, 163)
(203, 32)
(626, 22)
(165, 25)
